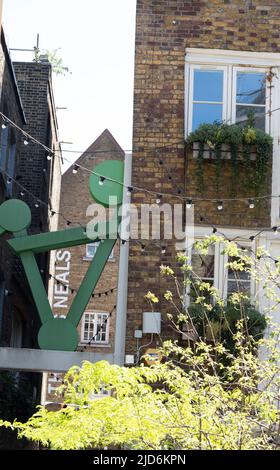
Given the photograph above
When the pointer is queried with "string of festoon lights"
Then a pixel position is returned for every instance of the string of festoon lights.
(101, 330)
(130, 189)
(102, 327)
(39, 202)
(158, 196)
(75, 290)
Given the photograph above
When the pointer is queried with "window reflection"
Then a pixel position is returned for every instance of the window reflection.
(203, 268)
(238, 281)
(207, 97)
(250, 98)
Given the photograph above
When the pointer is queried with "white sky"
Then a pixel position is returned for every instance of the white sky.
(96, 38)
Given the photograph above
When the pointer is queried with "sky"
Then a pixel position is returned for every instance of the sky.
(95, 39)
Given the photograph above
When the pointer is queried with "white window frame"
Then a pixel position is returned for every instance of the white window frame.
(217, 267)
(235, 70)
(95, 313)
(224, 103)
(221, 270)
(229, 92)
(96, 244)
(249, 60)
(225, 277)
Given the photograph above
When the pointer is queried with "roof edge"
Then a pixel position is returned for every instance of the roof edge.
(94, 146)
(13, 75)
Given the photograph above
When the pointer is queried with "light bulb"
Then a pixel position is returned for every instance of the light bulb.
(26, 142)
(101, 180)
(251, 203)
(220, 205)
(158, 198)
(75, 169)
(189, 203)
(49, 157)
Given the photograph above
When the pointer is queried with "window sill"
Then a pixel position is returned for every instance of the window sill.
(95, 345)
(88, 259)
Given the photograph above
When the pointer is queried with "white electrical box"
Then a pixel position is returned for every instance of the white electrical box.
(151, 322)
(129, 359)
(138, 334)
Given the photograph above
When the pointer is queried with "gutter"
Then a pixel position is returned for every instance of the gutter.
(13, 76)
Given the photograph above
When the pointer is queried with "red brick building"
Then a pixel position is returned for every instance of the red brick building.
(200, 61)
(97, 327)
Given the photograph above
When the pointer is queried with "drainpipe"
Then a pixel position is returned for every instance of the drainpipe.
(120, 327)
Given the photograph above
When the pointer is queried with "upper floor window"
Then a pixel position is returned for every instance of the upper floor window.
(250, 96)
(8, 157)
(227, 86)
(17, 331)
(208, 98)
(226, 94)
(95, 327)
(4, 148)
(91, 249)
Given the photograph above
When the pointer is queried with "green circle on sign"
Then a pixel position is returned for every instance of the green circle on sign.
(15, 215)
(58, 334)
(108, 192)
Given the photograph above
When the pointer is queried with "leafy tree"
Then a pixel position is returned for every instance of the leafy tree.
(204, 395)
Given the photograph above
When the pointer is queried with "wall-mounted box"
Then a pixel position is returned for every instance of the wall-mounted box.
(129, 359)
(151, 322)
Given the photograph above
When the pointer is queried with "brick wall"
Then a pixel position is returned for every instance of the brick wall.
(10, 105)
(75, 199)
(163, 31)
(34, 82)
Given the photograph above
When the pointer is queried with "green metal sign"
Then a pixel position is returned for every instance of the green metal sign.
(15, 217)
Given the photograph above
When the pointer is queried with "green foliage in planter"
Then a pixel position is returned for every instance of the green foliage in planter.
(222, 322)
(239, 140)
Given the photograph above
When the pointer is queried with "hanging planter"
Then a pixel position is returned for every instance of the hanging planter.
(222, 142)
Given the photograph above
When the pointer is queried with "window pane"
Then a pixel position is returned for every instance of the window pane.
(238, 281)
(203, 265)
(241, 275)
(242, 112)
(91, 249)
(95, 327)
(208, 85)
(237, 286)
(250, 88)
(206, 113)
